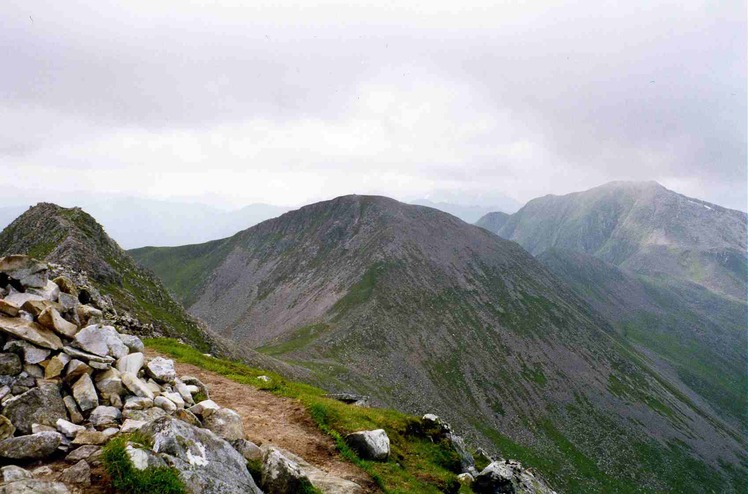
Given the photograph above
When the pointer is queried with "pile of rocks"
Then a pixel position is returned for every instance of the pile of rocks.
(69, 382)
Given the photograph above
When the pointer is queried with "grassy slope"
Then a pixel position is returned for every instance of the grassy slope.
(416, 465)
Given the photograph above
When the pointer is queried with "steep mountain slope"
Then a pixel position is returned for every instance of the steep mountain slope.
(684, 327)
(71, 237)
(642, 227)
(493, 221)
(424, 312)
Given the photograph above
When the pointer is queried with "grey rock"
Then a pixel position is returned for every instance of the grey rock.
(30, 272)
(86, 356)
(226, 423)
(82, 453)
(68, 429)
(30, 447)
(148, 415)
(136, 385)
(142, 458)
(103, 417)
(137, 403)
(11, 473)
(36, 428)
(100, 340)
(323, 481)
(40, 405)
(132, 342)
(161, 369)
(202, 388)
(10, 364)
(130, 425)
(74, 412)
(79, 474)
(131, 363)
(281, 475)
(206, 463)
(85, 393)
(370, 445)
(165, 404)
(31, 354)
(189, 417)
(33, 486)
(110, 383)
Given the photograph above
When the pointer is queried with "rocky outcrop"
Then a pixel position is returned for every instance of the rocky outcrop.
(508, 477)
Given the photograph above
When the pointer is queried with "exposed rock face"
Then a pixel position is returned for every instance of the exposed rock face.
(370, 445)
(206, 463)
(30, 447)
(508, 477)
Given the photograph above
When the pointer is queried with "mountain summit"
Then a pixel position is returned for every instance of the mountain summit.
(642, 227)
(424, 312)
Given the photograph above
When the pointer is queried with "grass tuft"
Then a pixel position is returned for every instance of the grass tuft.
(127, 479)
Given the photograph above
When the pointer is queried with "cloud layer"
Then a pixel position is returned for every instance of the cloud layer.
(285, 103)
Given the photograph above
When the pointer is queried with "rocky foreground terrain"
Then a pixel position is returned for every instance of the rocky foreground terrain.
(74, 389)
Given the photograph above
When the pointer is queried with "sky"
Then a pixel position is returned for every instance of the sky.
(282, 102)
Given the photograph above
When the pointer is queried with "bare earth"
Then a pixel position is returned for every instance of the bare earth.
(280, 421)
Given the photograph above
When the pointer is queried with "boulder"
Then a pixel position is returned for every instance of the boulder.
(11, 473)
(226, 423)
(161, 369)
(33, 486)
(281, 475)
(370, 445)
(110, 382)
(7, 429)
(10, 364)
(132, 342)
(323, 481)
(30, 447)
(79, 474)
(495, 478)
(131, 363)
(85, 393)
(206, 463)
(31, 354)
(204, 408)
(104, 417)
(136, 385)
(40, 405)
(100, 340)
(51, 319)
(30, 332)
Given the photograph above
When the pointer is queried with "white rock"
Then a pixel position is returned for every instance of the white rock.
(204, 406)
(161, 369)
(100, 340)
(130, 425)
(104, 417)
(136, 385)
(132, 342)
(370, 445)
(131, 363)
(69, 429)
(85, 393)
(137, 403)
(165, 404)
(175, 398)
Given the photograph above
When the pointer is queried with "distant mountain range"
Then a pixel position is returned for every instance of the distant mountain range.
(425, 312)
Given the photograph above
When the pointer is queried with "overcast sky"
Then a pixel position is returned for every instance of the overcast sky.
(235, 102)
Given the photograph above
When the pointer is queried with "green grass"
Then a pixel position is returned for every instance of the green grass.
(298, 340)
(417, 463)
(125, 478)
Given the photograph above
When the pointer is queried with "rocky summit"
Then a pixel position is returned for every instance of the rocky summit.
(423, 312)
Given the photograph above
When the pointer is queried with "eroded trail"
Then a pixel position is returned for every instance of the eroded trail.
(271, 419)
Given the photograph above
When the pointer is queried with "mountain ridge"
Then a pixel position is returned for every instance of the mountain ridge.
(366, 290)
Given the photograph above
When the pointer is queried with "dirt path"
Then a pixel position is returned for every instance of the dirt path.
(280, 421)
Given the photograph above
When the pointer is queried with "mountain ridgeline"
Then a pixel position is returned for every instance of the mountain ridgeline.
(668, 271)
(425, 312)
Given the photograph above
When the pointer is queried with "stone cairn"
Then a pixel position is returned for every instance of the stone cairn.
(69, 382)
